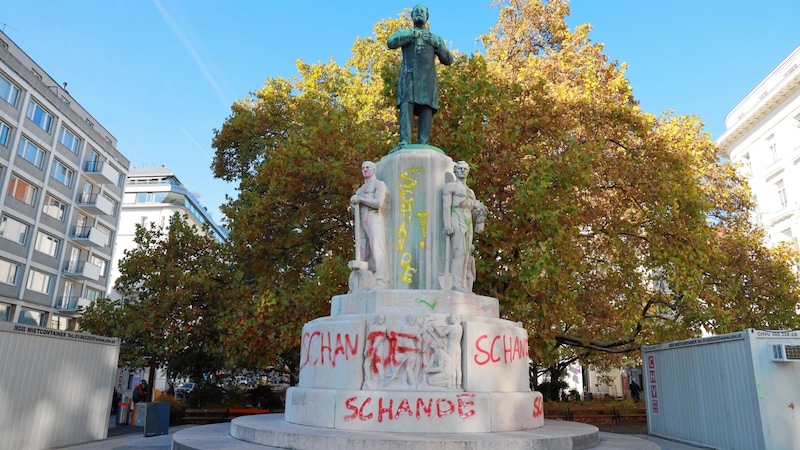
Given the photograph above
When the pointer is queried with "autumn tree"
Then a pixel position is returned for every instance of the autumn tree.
(609, 226)
(174, 285)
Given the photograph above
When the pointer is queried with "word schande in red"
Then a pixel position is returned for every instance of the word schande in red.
(419, 408)
(500, 349)
(324, 347)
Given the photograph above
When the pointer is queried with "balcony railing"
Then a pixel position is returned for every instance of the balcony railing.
(82, 269)
(101, 172)
(70, 303)
(95, 204)
(89, 235)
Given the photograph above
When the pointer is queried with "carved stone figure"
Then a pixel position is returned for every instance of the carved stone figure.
(375, 354)
(368, 203)
(418, 90)
(460, 207)
(408, 352)
(444, 363)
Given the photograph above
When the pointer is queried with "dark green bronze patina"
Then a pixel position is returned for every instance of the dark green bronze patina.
(417, 90)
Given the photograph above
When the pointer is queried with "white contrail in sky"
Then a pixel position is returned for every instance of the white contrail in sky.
(192, 52)
(195, 143)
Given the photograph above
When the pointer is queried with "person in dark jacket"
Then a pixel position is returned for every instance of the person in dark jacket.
(140, 392)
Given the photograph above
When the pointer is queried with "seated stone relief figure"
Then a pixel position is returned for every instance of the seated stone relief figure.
(444, 362)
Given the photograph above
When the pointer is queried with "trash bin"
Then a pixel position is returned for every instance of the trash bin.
(123, 410)
(157, 420)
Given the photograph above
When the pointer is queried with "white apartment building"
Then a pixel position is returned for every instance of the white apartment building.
(61, 181)
(153, 195)
(763, 134)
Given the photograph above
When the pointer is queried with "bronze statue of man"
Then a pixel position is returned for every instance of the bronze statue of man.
(417, 90)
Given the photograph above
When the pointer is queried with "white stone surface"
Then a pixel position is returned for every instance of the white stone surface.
(331, 352)
(517, 411)
(394, 301)
(268, 431)
(495, 357)
(309, 406)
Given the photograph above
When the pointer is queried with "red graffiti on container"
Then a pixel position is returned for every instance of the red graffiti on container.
(419, 408)
(503, 349)
(322, 348)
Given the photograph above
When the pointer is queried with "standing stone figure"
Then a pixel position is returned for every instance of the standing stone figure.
(459, 207)
(418, 90)
(370, 199)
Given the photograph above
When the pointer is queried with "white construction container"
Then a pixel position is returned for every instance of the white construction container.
(734, 391)
(55, 386)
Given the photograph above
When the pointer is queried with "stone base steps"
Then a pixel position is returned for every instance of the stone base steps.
(271, 431)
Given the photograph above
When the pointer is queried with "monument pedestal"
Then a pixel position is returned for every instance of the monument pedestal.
(414, 365)
(417, 361)
(271, 432)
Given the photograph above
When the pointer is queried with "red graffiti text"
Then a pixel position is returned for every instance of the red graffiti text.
(538, 407)
(322, 348)
(502, 349)
(419, 408)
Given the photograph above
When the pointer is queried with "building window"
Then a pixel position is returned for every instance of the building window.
(99, 262)
(62, 323)
(68, 138)
(47, 244)
(39, 281)
(39, 116)
(14, 230)
(5, 312)
(62, 173)
(150, 197)
(93, 294)
(783, 200)
(5, 133)
(54, 208)
(31, 153)
(748, 165)
(93, 163)
(773, 149)
(8, 91)
(114, 204)
(32, 317)
(8, 274)
(21, 190)
(109, 234)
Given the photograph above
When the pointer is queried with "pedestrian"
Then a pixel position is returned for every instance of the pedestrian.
(140, 392)
(635, 390)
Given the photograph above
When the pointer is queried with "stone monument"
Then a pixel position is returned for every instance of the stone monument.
(410, 350)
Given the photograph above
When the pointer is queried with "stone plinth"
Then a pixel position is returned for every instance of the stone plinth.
(394, 301)
(414, 178)
(414, 361)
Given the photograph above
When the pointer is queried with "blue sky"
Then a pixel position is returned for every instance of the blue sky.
(160, 75)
